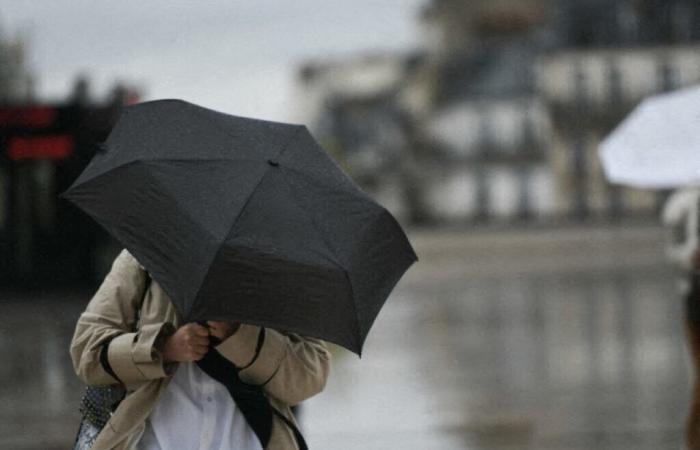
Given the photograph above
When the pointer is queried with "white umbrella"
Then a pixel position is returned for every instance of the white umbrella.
(658, 144)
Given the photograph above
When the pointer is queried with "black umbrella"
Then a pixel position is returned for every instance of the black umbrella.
(244, 220)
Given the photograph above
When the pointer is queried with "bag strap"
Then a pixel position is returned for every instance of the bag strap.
(297, 434)
(249, 398)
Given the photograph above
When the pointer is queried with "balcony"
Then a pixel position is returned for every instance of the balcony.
(490, 130)
(600, 86)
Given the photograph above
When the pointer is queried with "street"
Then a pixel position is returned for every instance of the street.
(566, 338)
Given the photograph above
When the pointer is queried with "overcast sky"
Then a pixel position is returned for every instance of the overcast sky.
(238, 56)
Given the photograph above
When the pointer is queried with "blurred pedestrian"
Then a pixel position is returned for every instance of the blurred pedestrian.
(213, 385)
(682, 221)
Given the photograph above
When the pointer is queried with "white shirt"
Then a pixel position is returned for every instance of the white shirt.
(196, 412)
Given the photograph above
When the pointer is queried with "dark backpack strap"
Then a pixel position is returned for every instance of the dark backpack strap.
(301, 442)
(250, 399)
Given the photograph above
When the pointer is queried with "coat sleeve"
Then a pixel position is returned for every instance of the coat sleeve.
(104, 340)
(290, 367)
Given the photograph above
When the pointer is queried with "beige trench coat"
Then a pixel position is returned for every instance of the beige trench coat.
(290, 367)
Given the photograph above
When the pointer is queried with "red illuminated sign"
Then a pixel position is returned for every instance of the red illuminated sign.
(40, 147)
(28, 117)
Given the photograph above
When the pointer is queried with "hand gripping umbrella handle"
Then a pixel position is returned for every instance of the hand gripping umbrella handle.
(213, 340)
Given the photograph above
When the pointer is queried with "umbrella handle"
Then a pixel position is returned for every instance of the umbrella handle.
(213, 340)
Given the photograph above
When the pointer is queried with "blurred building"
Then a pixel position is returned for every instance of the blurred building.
(481, 132)
(354, 109)
(43, 149)
(16, 81)
(498, 117)
(608, 56)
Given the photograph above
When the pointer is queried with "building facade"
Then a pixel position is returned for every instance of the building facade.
(498, 117)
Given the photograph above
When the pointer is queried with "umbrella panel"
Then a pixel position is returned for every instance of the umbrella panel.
(172, 215)
(251, 286)
(276, 268)
(364, 237)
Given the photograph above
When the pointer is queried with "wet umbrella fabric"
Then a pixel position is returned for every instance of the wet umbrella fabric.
(658, 144)
(244, 220)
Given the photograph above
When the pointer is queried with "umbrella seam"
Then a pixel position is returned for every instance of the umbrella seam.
(200, 110)
(332, 250)
(235, 220)
(198, 114)
(357, 316)
(158, 159)
(141, 160)
(355, 191)
(106, 225)
(255, 188)
(313, 223)
(111, 170)
(289, 142)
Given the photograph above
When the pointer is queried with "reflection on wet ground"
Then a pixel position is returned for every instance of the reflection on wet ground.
(39, 391)
(564, 361)
(573, 344)
(483, 345)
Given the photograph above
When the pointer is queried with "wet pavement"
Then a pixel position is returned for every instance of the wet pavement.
(522, 339)
(38, 388)
(543, 339)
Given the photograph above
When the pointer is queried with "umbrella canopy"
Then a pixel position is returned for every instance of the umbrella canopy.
(658, 144)
(244, 220)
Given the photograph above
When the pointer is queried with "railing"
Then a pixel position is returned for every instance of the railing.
(599, 86)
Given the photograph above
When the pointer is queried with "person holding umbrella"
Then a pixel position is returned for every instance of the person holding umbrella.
(259, 248)
(657, 146)
(681, 219)
(174, 373)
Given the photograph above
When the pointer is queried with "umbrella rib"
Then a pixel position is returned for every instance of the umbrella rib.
(291, 139)
(145, 160)
(200, 110)
(198, 114)
(355, 191)
(141, 160)
(245, 205)
(221, 243)
(357, 316)
(325, 241)
(318, 230)
(255, 188)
